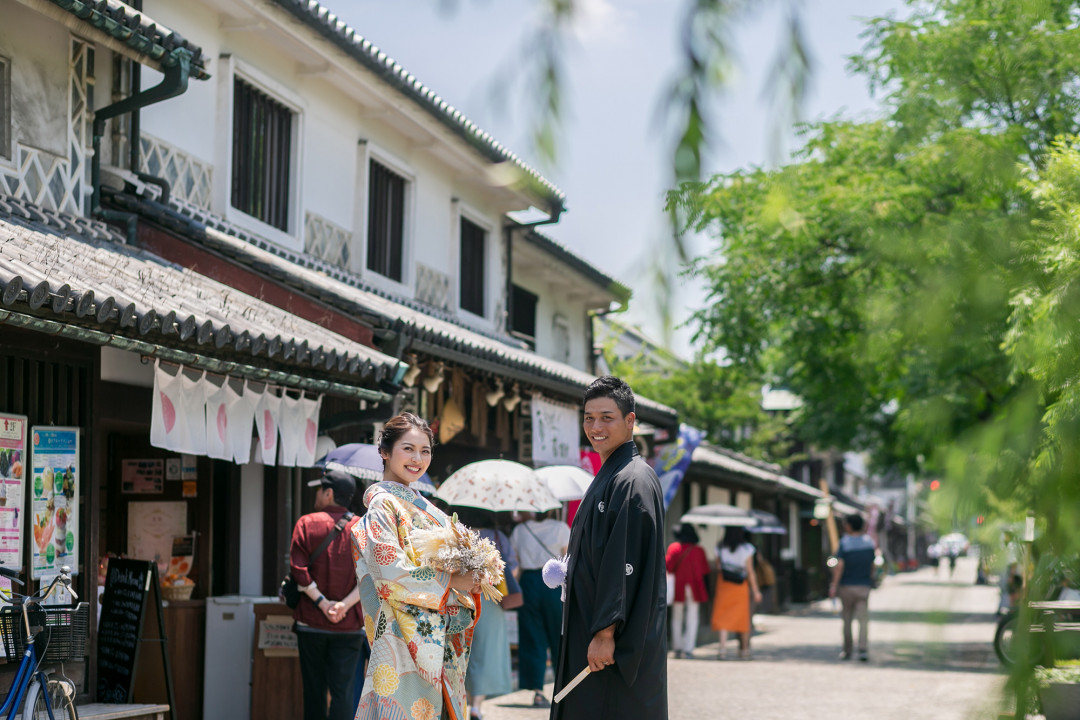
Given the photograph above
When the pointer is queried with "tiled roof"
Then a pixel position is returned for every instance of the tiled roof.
(75, 271)
(424, 330)
(562, 252)
(151, 39)
(371, 57)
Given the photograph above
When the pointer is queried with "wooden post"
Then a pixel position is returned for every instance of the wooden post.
(830, 522)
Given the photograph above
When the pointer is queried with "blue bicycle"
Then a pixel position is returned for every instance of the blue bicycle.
(42, 635)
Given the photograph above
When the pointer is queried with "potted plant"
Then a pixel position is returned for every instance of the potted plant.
(1059, 690)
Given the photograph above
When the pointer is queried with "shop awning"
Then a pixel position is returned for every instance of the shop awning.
(421, 329)
(712, 460)
(71, 276)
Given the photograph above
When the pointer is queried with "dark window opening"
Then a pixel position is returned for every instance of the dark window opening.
(472, 274)
(5, 108)
(386, 221)
(262, 155)
(523, 317)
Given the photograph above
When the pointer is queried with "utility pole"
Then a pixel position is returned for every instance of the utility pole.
(910, 517)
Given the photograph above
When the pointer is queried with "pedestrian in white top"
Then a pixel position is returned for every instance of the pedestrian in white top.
(540, 617)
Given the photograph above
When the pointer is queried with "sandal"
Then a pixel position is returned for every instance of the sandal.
(539, 701)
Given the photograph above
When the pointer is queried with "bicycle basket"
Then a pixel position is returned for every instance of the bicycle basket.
(63, 634)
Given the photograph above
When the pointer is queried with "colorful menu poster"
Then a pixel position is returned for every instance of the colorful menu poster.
(12, 479)
(54, 500)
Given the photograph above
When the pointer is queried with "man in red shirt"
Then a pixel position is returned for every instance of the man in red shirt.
(329, 627)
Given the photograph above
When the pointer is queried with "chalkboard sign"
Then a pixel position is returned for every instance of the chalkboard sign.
(123, 607)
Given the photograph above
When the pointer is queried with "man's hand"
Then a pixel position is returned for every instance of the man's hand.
(337, 612)
(602, 649)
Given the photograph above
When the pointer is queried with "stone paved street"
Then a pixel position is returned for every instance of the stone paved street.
(931, 657)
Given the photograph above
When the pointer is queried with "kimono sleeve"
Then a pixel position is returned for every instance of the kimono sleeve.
(629, 572)
(398, 578)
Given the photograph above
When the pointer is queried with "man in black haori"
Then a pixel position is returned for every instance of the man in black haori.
(615, 608)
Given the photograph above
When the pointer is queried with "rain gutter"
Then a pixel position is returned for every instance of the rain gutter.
(174, 83)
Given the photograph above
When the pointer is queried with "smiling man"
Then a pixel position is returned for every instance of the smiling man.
(613, 617)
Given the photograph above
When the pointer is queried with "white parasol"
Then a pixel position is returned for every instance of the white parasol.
(566, 482)
(498, 485)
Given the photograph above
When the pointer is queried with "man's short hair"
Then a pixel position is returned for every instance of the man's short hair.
(855, 522)
(614, 388)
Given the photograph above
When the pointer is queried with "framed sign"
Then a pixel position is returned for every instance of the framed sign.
(13, 474)
(54, 500)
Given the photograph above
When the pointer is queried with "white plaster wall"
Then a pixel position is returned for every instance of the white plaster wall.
(38, 49)
(251, 528)
(551, 302)
(333, 162)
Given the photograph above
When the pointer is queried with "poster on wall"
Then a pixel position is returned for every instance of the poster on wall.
(152, 526)
(54, 500)
(142, 476)
(12, 481)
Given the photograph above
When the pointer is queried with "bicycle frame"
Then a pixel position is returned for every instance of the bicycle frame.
(28, 672)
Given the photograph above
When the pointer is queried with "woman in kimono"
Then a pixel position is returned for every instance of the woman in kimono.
(419, 621)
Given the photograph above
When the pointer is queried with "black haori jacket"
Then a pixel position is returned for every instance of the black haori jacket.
(616, 576)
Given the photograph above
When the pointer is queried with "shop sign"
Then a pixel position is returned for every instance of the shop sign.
(276, 636)
(556, 432)
(13, 473)
(54, 500)
(142, 476)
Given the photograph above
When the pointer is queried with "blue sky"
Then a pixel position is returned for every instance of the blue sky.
(614, 159)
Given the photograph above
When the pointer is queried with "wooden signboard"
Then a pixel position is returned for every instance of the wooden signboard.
(122, 631)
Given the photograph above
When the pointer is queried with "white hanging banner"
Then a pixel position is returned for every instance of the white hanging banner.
(556, 430)
(306, 455)
(178, 415)
(218, 439)
(291, 432)
(267, 417)
(240, 410)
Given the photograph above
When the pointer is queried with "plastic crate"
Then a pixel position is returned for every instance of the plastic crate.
(63, 634)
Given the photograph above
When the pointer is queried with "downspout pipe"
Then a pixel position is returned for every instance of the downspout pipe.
(509, 229)
(175, 83)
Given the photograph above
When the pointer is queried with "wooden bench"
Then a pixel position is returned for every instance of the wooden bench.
(1051, 612)
(110, 711)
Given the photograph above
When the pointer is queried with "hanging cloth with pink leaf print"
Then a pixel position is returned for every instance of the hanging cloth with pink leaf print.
(240, 411)
(291, 434)
(218, 439)
(305, 457)
(267, 416)
(177, 415)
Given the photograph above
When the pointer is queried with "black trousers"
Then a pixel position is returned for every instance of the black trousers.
(328, 664)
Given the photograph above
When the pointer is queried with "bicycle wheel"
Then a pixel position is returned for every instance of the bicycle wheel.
(61, 697)
(1004, 645)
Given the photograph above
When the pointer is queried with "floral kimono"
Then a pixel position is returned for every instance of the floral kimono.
(419, 629)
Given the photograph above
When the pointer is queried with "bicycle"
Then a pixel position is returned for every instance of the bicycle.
(63, 631)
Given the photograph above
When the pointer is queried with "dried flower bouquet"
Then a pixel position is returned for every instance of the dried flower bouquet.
(457, 549)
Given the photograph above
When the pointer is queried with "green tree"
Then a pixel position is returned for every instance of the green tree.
(874, 276)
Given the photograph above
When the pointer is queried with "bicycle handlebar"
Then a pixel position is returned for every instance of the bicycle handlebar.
(12, 575)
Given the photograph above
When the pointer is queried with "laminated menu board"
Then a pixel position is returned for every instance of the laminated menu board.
(54, 500)
(13, 472)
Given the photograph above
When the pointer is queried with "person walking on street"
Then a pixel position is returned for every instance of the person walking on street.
(736, 581)
(489, 661)
(536, 541)
(687, 562)
(614, 617)
(419, 620)
(329, 630)
(851, 581)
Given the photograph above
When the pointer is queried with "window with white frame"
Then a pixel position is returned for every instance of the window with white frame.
(5, 108)
(386, 221)
(261, 155)
(473, 245)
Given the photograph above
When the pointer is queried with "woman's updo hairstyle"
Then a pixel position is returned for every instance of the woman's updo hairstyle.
(398, 426)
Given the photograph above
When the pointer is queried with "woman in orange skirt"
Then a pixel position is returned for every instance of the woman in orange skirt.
(735, 583)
